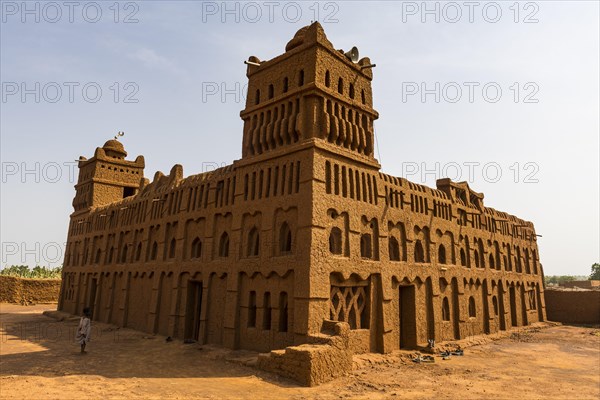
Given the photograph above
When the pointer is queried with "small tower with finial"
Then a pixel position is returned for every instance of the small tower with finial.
(107, 176)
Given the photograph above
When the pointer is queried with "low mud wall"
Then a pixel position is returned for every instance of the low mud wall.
(573, 306)
(28, 291)
(582, 284)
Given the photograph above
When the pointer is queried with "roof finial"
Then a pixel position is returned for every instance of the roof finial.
(119, 134)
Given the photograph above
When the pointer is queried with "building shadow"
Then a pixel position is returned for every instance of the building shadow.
(37, 345)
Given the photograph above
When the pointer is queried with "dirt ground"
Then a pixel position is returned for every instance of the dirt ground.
(39, 360)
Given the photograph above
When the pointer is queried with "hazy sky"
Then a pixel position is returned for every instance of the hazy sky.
(504, 96)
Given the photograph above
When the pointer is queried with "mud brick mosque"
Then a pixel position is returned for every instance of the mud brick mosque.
(302, 249)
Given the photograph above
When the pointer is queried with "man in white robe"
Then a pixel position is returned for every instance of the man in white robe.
(84, 330)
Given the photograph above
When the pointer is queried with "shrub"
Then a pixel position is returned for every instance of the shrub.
(38, 272)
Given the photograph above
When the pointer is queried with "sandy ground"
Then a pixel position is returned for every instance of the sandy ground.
(39, 360)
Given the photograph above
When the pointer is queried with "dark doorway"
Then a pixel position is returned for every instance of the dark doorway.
(501, 304)
(455, 309)
(523, 306)
(193, 309)
(539, 302)
(486, 308)
(407, 317)
(92, 299)
(513, 306)
(429, 309)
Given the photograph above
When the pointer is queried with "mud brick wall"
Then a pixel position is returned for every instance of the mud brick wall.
(573, 306)
(582, 284)
(26, 291)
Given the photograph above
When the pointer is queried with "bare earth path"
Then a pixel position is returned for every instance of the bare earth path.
(39, 360)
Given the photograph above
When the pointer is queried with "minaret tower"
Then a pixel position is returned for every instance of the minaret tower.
(311, 93)
(107, 177)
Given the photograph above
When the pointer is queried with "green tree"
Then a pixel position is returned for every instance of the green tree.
(562, 279)
(552, 279)
(595, 271)
(38, 272)
(565, 278)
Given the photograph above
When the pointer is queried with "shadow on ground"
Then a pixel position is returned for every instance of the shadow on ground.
(33, 344)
